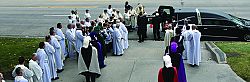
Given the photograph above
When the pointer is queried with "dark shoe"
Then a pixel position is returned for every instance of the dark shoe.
(55, 78)
(59, 71)
(139, 41)
(103, 66)
(192, 65)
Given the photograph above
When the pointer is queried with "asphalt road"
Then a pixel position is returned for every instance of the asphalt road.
(35, 17)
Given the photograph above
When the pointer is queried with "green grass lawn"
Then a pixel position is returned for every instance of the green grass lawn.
(12, 48)
(238, 57)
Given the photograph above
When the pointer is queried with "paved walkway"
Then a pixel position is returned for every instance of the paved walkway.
(141, 62)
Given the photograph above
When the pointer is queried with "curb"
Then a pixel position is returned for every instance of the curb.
(218, 54)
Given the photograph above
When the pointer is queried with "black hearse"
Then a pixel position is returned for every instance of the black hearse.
(215, 23)
(212, 23)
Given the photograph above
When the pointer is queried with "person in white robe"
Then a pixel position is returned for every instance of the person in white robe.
(36, 69)
(19, 77)
(87, 14)
(70, 21)
(73, 16)
(54, 42)
(43, 61)
(133, 18)
(62, 41)
(127, 19)
(114, 14)
(79, 38)
(73, 29)
(27, 73)
(119, 15)
(77, 17)
(188, 37)
(107, 32)
(1, 78)
(50, 51)
(105, 15)
(109, 10)
(100, 19)
(117, 44)
(124, 34)
(168, 34)
(87, 22)
(70, 41)
(196, 58)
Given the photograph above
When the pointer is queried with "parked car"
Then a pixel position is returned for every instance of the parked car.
(215, 23)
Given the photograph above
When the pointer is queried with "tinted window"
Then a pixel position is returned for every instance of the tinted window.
(184, 15)
(217, 22)
(209, 15)
(228, 23)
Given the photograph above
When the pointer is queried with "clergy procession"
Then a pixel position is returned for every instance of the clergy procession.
(89, 41)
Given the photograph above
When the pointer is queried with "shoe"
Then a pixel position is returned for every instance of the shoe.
(59, 71)
(103, 66)
(192, 65)
(139, 41)
(55, 78)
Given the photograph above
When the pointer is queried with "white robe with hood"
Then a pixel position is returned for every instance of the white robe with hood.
(79, 40)
(71, 42)
(188, 37)
(196, 58)
(42, 58)
(54, 42)
(117, 42)
(50, 51)
(124, 35)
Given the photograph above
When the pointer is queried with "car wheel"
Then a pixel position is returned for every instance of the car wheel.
(246, 37)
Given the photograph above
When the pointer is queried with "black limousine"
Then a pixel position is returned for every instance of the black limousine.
(211, 23)
(215, 23)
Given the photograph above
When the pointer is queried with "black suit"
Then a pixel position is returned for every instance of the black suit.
(142, 27)
(156, 27)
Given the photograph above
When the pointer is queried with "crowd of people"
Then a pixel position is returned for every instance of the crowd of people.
(89, 41)
(181, 44)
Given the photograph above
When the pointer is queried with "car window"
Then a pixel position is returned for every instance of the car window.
(184, 15)
(209, 15)
(228, 23)
(217, 22)
(210, 22)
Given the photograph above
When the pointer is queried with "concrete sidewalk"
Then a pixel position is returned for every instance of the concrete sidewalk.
(141, 62)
